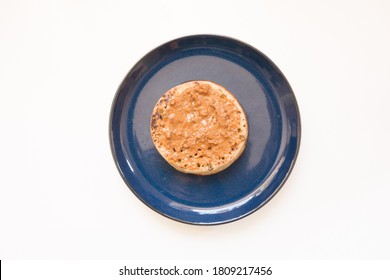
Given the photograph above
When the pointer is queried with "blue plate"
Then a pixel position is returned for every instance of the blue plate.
(273, 120)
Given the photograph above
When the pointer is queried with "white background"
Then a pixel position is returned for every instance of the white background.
(61, 196)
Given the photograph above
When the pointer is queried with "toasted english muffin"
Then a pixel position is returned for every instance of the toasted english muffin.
(199, 127)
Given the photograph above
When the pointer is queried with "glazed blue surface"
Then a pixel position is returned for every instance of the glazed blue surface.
(273, 121)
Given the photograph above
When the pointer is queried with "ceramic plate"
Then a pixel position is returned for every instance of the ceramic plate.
(273, 121)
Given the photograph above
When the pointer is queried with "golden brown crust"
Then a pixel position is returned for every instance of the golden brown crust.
(199, 127)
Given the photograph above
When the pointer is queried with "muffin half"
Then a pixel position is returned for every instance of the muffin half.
(199, 127)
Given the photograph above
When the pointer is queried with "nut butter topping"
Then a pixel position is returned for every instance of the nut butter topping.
(198, 128)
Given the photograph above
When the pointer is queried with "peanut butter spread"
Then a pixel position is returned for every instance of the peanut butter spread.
(198, 128)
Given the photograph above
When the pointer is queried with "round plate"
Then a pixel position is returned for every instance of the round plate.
(273, 121)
